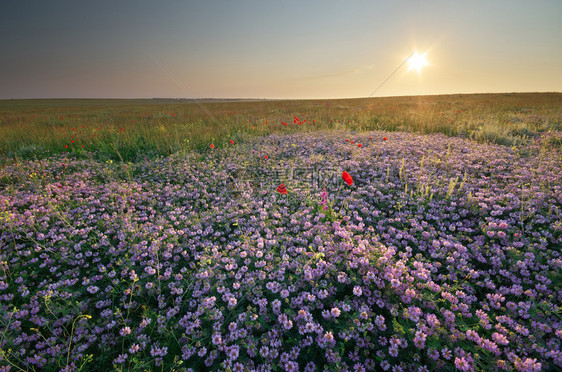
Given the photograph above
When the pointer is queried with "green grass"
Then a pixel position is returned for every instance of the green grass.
(134, 129)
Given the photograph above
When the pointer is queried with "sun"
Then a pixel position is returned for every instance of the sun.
(417, 62)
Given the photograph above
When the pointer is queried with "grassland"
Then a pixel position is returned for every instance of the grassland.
(137, 129)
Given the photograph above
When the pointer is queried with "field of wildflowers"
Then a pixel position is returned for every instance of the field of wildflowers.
(132, 130)
(429, 253)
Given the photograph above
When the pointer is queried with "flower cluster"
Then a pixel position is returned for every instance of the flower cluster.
(441, 255)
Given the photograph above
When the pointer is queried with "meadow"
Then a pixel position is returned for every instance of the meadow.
(396, 234)
(134, 129)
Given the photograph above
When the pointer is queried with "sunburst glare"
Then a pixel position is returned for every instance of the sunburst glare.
(417, 62)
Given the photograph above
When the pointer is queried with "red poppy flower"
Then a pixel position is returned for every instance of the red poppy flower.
(265, 157)
(384, 138)
(232, 142)
(370, 137)
(359, 145)
(281, 189)
(346, 140)
(212, 146)
(285, 124)
(347, 178)
(352, 142)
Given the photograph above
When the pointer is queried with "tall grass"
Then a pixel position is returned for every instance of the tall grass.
(136, 129)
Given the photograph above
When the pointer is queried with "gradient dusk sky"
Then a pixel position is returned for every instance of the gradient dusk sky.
(276, 49)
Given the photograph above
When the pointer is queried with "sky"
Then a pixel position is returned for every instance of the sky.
(280, 49)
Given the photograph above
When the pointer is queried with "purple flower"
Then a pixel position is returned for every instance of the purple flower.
(499, 338)
(121, 359)
(329, 339)
(202, 351)
(125, 331)
(528, 364)
(462, 364)
(310, 367)
(145, 322)
(158, 351)
(419, 339)
(232, 352)
(216, 338)
(379, 321)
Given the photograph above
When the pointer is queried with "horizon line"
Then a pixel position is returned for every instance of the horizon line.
(270, 99)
